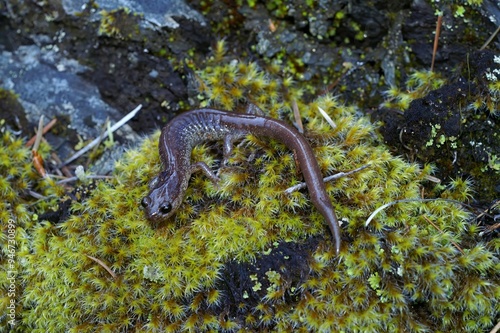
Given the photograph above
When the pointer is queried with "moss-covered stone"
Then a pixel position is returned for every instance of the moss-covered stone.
(222, 263)
(453, 123)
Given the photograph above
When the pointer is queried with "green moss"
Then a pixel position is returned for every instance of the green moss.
(15, 116)
(119, 23)
(19, 210)
(418, 85)
(169, 278)
(460, 8)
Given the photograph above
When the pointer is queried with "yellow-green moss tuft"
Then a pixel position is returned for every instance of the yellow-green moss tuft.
(418, 85)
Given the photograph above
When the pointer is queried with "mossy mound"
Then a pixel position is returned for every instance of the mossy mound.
(248, 257)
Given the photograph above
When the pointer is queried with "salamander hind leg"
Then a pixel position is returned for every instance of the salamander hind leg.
(254, 109)
(228, 145)
(229, 139)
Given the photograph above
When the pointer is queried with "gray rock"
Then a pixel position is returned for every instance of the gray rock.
(157, 13)
(47, 84)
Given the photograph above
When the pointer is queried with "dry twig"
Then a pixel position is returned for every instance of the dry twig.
(113, 128)
(436, 40)
(326, 179)
(103, 265)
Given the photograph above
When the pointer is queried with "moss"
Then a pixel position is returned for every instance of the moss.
(225, 261)
(418, 85)
(15, 117)
(119, 23)
(225, 18)
(24, 195)
(460, 6)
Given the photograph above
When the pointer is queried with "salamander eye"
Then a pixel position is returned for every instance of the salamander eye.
(165, 208)
(145, 202)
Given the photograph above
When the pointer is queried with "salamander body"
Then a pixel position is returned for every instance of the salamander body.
(188, 129)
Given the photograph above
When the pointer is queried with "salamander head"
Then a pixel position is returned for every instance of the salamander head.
(165, 196)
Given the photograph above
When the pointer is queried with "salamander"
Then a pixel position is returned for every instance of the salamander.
(181, 134)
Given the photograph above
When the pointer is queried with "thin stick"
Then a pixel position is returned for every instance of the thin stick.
(490, 209)
(488, 42)
(101, 136)
(441, 231)
(45, 130)
(370, 218)
(113, 128)
(327, 118)
(326, 179)
(36, 195)
(103, 265)
(64, 170)
(347, 67)
(74, 179)
(39, 134)
(496, 328)
(436, 40)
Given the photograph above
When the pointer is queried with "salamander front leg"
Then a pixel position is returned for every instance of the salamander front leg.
(202, 166)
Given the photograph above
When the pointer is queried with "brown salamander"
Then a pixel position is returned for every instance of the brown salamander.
(188, 129)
